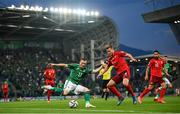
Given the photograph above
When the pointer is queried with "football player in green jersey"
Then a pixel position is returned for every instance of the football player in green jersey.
(77, 73)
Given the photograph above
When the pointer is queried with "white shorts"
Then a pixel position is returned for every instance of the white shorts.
(77, 89)
(166, 81)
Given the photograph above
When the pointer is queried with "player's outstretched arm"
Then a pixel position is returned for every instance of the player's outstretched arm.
(131, 57)
(60, 64)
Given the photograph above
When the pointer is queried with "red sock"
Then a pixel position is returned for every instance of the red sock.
(145, 92)
(114, 90)
(129, 88)
(49, 92)
(162, 93)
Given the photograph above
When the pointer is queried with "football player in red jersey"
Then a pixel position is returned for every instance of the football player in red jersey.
(49, 75)
(117, 60)
(156, 65)
(5, 89)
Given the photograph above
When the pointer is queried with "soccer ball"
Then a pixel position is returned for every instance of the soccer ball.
(73, 104)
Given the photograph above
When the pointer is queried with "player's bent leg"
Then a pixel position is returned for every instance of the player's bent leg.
(81, 89)
(125, 82)
(162, 93)
(111, 86)
(103, 93)
(107, 93)
(87, 100)
(157, 93)
(145, 91)
(163, 85)
(170, 85)
(167, 82)
(111, 83)
(66, 91)
(129, 88)
(58, 90)
(158, 90)
(68, 87)
(47, 87)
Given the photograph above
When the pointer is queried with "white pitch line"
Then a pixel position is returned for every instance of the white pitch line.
(84, 113)
(84, 110)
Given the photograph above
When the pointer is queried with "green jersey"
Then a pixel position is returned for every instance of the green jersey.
(77, 73)
(168, 69)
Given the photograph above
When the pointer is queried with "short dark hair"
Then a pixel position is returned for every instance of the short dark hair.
(156, 51)
(83, 58)
(108, 46)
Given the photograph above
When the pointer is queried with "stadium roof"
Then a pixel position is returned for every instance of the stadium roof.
(73, 33)
(170, 15)
(18, 24)
(166, 15)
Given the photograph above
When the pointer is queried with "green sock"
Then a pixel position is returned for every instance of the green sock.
(58, 90)
(158, 94)
(53, 88)
(87, 97)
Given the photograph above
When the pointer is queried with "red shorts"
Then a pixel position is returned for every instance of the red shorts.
(154, 79)
(5, 90)
(50, 82)
(119, 77)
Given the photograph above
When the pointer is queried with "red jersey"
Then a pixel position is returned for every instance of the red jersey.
(50, 73)
(118, 61)
(156, 67)
(5, 87)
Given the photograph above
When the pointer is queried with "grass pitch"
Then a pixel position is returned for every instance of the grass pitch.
(103, 107)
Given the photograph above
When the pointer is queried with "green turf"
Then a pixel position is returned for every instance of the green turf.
(103, 107)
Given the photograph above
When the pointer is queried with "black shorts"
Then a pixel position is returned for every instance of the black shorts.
(104, 85)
